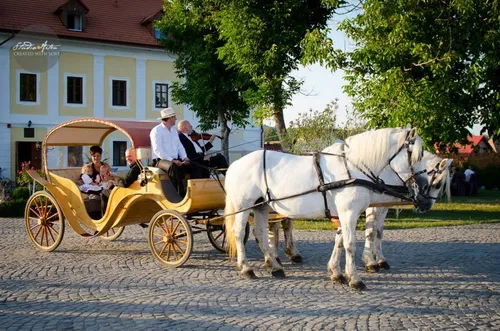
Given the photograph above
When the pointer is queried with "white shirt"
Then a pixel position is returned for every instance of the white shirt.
(165, 143)
(467, 174)
(196, 146)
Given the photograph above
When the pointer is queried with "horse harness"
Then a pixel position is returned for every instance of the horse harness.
(376, 183)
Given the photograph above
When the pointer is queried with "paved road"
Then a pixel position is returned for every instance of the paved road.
(441, 278)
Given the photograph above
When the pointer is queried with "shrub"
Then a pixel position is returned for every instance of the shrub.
(21, 192)
(23, 179)
(488, 177)
(12, 208)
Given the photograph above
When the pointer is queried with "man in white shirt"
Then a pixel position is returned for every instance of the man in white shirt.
(168, 152)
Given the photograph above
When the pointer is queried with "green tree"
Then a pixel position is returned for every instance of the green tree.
(315, 130)
(265, 39)
(433, 63)
(213, 91)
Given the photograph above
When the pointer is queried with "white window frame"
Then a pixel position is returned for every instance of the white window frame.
(111, 79)
(80, 19)
(153, 98)
(18, 88)
(84, 90)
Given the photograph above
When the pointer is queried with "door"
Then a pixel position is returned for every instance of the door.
(29, 151)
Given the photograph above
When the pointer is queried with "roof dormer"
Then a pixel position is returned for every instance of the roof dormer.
(72, 15)
(148, 22)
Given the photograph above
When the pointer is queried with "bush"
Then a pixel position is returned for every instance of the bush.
(22, 193)
(12, 208)
(488, 177)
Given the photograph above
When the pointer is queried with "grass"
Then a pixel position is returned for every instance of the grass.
(482, 208)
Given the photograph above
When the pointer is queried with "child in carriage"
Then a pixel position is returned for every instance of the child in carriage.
(90, 185)
(107, 178)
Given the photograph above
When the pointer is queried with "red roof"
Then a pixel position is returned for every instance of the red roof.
(469, 148)
(116, 21)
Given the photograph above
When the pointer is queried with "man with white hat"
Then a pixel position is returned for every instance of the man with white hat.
(168, 152)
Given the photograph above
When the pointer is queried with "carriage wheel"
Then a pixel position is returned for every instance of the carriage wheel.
(217, 236)
(112, 233)
(170, 238)
(44, 221)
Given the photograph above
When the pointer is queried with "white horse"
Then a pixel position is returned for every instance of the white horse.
(292, 186)
(438, 173)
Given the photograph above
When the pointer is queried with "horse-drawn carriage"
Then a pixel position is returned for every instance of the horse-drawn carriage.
(151, 199)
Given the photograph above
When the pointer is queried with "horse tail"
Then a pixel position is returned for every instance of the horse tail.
(229, 224)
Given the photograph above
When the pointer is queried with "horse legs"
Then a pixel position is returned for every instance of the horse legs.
(379, 226)
(274, 239)
(290, 248)
(240, 223)
(370, 240)
(348, 220)
(333, 265)
(260, 225)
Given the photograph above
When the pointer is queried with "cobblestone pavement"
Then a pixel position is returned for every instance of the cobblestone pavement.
(441, 278)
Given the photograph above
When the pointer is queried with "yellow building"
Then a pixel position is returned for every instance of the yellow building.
(60, 60)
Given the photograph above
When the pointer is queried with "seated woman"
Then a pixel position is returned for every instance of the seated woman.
(90, 185)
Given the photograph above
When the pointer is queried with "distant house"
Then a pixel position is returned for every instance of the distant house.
(476, 145)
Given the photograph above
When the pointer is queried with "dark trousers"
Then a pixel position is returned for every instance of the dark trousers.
(219, 161)
(175, 173)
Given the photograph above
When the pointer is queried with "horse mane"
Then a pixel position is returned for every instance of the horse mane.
(446, 187)
(372, 148)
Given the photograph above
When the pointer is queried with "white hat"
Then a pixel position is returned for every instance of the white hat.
(166, 113)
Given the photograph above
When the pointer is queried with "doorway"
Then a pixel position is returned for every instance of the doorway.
(28, 151)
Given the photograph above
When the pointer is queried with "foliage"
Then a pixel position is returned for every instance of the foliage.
(23, 178)
(270, 133)
(315, 130)
(12, 208)
(213, 91)
(483, 208)
(432, 63)
(488, 177)
(21, 192)
(263, 39)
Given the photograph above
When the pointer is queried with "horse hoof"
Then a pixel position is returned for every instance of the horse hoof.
(249, 274)
(296, 259)
(279, 261)
(372, 268)
(384, 265)
(278, 273)
(358, 285)
(340, 279)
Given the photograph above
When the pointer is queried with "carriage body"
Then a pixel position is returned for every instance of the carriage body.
(149, 200)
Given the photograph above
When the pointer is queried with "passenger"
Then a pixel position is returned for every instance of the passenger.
(90, 185)
(135, 171)
(168, 152)
(196, 152)
(96, 155)
(107, 178)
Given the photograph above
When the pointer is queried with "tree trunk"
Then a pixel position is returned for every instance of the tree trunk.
(225, 131)
(280, 127)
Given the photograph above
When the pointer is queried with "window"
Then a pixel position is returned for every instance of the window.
(74, 90)
(119, 148)
(75, 156)
(158, 34)
(75, 22)
(161, 95)
(27, 87)
(119, 93)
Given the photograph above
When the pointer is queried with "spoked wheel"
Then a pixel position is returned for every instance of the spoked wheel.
(217, 236)
(170, 238)
(112, 233)
(44, 221)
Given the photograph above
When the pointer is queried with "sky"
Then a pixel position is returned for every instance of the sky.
(321, 86)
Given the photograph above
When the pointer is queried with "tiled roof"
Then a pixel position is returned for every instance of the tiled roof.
(469, 148)
(115, 21)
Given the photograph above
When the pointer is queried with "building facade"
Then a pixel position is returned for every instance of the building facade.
(101, 59)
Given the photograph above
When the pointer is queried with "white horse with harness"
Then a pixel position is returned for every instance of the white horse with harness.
(438, 173)
(341, 181)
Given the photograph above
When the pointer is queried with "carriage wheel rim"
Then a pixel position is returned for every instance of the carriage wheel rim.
(44, 221)
(170, 239)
